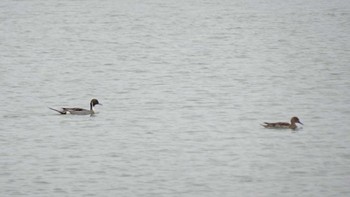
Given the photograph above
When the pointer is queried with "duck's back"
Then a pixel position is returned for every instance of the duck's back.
(276, 124)
(78, 111)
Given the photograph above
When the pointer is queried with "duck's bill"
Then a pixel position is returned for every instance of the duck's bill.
(301, 123)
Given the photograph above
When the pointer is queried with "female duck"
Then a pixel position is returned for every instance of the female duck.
(283, 125)
(79, 111)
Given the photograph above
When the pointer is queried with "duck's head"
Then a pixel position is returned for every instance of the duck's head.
(295, 120)
(94, 102)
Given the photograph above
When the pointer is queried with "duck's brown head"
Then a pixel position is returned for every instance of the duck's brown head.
(295, 120)
(94, 102)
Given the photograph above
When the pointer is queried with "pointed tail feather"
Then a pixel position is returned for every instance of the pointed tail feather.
(267, 124)
(61, 112)
(264, 125)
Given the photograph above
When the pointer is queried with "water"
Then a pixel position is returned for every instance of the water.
(184, 87)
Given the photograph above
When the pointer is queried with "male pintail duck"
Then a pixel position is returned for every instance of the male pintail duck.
(283, 125)
(79, 111)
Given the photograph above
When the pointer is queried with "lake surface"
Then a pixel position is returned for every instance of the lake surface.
(185, 86)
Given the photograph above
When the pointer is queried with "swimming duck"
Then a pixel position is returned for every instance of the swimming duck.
(283, 125)
(79, 111)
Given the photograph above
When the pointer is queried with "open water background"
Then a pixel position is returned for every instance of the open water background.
(184, 86)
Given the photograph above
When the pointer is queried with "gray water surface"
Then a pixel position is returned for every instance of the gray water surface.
(185, 86)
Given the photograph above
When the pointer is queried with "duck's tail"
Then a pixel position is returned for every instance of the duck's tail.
(265, 124)
(61, 112)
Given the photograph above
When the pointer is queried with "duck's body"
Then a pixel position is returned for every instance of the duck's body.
(283, 125)
(79, 111)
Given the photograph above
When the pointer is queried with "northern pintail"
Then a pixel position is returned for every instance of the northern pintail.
(79, 111)
(283, 125)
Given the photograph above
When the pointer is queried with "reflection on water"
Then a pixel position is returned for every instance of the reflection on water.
(185, 87)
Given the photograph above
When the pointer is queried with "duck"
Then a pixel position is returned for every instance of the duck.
(78, 111)
(283, 125)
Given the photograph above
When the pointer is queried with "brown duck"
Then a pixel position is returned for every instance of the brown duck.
(283, 125)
